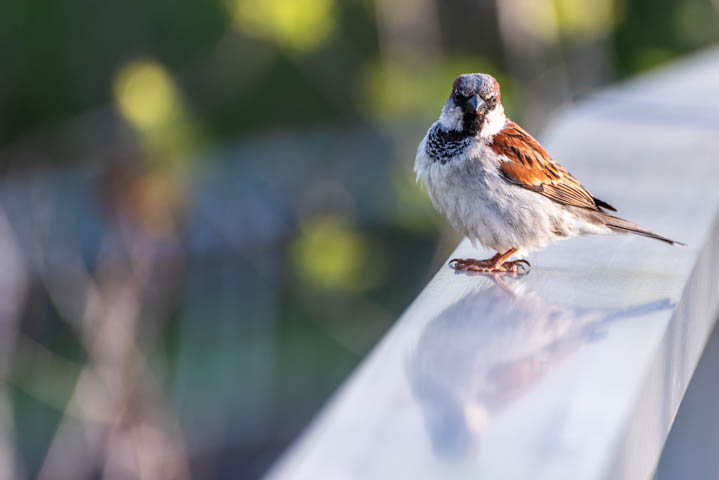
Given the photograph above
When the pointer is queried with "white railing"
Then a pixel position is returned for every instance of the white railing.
(577, 370)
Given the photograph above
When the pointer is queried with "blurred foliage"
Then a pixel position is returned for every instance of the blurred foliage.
(289, 62)
(653, 32)
(407, 90)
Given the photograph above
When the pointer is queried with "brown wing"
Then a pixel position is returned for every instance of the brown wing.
(526, 163)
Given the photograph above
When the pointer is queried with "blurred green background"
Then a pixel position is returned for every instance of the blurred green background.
(208, 214)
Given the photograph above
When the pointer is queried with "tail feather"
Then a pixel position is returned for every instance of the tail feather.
(620, 225)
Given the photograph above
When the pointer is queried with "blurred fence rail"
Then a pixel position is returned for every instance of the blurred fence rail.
(578, 369)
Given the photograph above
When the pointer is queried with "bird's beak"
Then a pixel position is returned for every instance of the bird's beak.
(476, 102)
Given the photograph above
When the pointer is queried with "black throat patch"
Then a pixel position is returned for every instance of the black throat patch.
(442, 145)
(472, 123)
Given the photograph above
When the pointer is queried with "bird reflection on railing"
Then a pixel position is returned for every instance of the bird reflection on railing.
(492, 347)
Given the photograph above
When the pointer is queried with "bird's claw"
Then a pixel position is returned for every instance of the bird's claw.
(520, 267)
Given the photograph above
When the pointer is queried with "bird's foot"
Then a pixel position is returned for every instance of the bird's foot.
(490, 265)
(472, 265)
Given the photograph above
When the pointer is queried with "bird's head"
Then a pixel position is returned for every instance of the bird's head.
(474, 106)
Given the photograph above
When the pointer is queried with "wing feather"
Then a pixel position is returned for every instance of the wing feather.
(525, 163)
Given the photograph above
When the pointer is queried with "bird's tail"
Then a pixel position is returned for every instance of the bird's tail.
(620, 225)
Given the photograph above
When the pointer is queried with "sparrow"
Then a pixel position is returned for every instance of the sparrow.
(495, 183)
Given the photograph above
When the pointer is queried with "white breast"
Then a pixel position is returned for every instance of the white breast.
(478, 201)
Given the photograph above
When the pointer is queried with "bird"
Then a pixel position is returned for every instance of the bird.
(498, 186)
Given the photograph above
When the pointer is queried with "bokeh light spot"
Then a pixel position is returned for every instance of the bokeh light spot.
(145, 94)
(330, 255)
(297, 24)
(579, 19)
(586, 18)
(538, 18)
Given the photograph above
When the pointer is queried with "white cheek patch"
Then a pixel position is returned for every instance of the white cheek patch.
(451, 118)
(494, 122)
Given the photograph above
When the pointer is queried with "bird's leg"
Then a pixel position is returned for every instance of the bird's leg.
(498, 263)
(514, 266)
